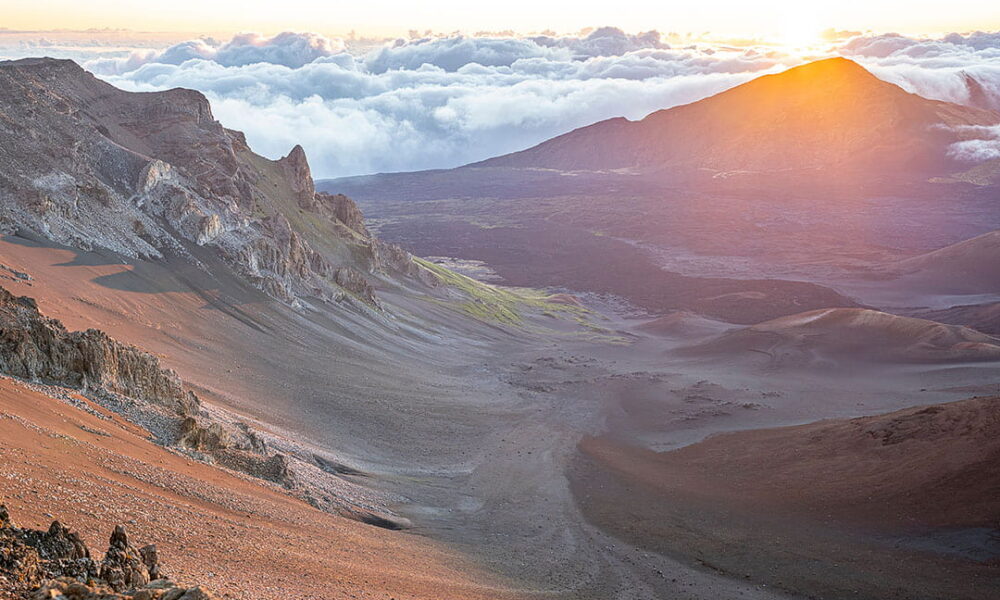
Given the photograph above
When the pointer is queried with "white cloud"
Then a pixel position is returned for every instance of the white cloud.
(984, 146)
(287, 49)
(436, 101)
(937, 68)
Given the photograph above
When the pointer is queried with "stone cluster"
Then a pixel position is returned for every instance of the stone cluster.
(56, 564)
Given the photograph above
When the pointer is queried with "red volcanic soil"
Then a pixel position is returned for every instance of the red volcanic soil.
(903, 505)
(239, 537)
(235, 535)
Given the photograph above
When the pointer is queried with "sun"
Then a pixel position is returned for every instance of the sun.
(799, 31)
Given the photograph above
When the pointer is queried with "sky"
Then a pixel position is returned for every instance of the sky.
(379, 87)
(396, 17)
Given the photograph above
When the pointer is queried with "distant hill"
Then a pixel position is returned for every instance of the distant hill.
(983, 317)
(850, 335)
(828, 115)
(969, 267)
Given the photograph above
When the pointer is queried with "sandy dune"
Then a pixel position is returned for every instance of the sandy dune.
(833, 336)
(897, 505)
(968, 267)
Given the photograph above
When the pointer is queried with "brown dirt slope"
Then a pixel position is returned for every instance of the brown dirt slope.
(872, 507)
(238, 536)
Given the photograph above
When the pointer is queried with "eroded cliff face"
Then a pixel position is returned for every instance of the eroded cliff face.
(149, 174)
(134, 384)
(37, 348)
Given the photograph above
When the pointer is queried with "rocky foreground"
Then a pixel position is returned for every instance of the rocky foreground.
(56, 564)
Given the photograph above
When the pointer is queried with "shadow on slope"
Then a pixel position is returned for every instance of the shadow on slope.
(869, 508)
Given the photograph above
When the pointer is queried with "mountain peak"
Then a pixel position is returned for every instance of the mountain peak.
(39, 61)
(978, 97)
(296, 167)
(824, 76)
(296, 155)
(827, 116)
(834, 65)
(45, 66)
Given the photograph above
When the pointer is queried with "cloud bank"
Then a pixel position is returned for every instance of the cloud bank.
(432, 102)
(955, 68)
(363, 106)
(984, 144)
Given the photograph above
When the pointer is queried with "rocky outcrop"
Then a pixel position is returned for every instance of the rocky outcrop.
(20, 564)
(37, 348)
(68, 589)
(343, 209)
(123, 567)
(146, 175)
(396, 260)
(202, 437)
(56, 564)
(297, 171)
(353, 281)
(237, 448)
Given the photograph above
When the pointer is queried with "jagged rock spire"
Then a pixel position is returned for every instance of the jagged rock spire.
(296, 167)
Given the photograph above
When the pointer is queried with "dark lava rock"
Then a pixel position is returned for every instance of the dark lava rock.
(56, 564)
(123, 567)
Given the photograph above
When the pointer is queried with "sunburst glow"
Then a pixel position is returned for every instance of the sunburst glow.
(800, 31)
(734, 18)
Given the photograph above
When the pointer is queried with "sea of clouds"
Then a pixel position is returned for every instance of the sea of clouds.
(441, 101)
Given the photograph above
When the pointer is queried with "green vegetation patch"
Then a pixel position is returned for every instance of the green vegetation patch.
(499, 305)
